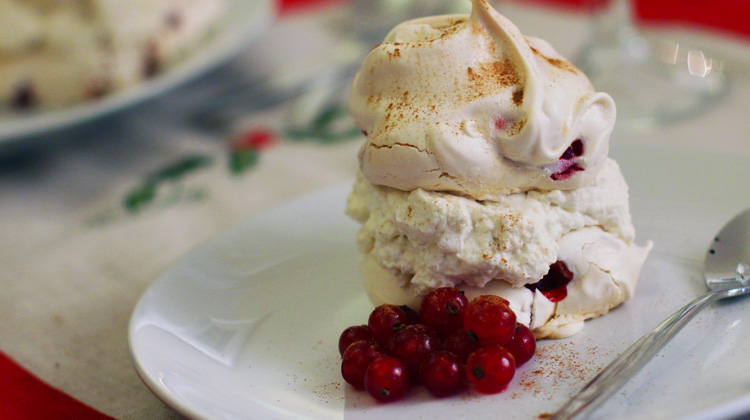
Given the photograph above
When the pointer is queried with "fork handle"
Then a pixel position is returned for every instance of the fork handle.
(617, 373)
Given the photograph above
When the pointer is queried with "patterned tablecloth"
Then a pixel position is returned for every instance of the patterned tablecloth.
(89, 216)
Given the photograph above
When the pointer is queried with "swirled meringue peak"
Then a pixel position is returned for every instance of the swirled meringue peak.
(467, 104)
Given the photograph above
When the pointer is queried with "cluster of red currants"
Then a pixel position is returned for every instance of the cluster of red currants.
(448, 344)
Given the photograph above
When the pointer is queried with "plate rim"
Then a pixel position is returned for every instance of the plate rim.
(152, 383)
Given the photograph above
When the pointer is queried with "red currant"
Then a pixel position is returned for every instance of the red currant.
(411, 345)
(522, 345)
(569, 166)
(412, 316)
(355, 361)
(442, 373)
(386, 379)
(567, 172)
(573, 151)
(443, 310)
(554, 284)
(353, 334)
(385, 320)
(491, 369)
(491, 319)
(462, 343)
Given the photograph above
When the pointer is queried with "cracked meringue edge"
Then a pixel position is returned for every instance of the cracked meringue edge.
(602, 282)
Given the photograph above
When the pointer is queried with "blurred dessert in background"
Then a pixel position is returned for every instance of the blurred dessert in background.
(55, 53)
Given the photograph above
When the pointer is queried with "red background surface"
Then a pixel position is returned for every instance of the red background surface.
(727, 16)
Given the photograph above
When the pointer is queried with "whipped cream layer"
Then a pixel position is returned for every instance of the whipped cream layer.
(54, 52)
(443, 239)
(415, 241)
(467, 104)
(605, 272)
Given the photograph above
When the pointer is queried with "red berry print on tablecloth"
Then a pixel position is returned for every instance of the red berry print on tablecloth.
(246, 148)
(256, 139)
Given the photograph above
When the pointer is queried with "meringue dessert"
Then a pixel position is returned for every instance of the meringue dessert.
(61, 52)
(486, 168)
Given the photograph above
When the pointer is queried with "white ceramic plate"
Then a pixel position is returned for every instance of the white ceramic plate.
(246, 326)
(246, 20)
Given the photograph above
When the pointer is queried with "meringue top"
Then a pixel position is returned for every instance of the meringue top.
(467, 104)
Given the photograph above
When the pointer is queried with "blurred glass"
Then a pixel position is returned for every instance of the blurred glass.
(373, 19)
(654, 80)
